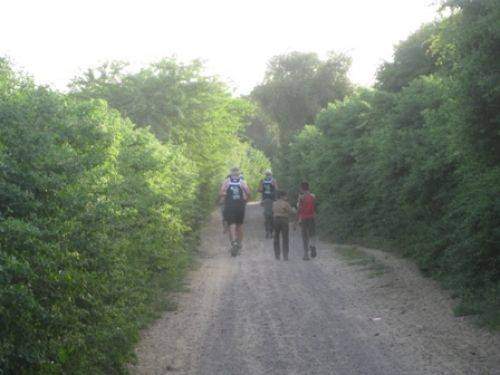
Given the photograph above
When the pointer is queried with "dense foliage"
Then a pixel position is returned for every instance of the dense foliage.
(97, 216)
(181, 106)
(411, 60)
(414, 164)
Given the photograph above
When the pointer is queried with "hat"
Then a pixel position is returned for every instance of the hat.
(234, 171)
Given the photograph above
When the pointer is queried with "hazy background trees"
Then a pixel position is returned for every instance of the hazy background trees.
(297, 86)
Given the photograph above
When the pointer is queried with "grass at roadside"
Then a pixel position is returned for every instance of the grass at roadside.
(353, 256)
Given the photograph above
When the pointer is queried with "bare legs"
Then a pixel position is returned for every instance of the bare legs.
(236, 232)
(308, 237)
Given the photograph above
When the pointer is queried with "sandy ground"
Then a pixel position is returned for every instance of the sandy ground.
(255, 315)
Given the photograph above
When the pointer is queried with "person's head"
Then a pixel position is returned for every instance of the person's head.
(281, 194)
(304, 186)
(268, 173)
(234, 172)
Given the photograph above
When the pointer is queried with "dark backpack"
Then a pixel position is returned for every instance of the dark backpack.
(268, 189)
(234, 192)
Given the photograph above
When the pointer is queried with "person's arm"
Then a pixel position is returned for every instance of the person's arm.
(293, 216)
(299, 209)
(246, 189)
(261, 186)
(223, 190)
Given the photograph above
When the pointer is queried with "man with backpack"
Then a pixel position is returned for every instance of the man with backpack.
(268, 188)
(235, 193)
(306, 212)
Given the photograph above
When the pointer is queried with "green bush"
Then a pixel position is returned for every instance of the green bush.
(97, 219)
(185, 108)
(92, 227)
(416, 168)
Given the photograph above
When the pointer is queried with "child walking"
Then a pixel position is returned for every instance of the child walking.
(281, 215)
(306, 214)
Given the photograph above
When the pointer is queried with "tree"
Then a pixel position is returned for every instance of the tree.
(297, 86)
(261, 132)
(182, 106)
(412, 58)
(469, 46)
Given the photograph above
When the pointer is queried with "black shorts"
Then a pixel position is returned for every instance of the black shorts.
(234, 214)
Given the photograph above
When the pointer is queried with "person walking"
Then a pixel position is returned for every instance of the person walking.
(267, 205)
(235, 193)
(281, 218)
(268, 188)
(306, 213)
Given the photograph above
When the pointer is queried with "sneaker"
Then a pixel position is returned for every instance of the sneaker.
(234, 248)
(313, 251)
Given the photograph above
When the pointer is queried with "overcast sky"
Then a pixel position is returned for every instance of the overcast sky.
(54, 40)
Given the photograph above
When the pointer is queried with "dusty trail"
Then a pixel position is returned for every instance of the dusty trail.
(256, 315)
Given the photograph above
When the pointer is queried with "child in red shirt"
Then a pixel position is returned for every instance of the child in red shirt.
(306, 212)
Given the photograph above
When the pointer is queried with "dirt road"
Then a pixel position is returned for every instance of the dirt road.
(347, 312)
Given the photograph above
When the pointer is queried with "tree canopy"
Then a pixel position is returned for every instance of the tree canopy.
(297, 86)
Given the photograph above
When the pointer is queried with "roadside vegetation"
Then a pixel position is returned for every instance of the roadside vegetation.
(354, 256)
(413, 164)
(102, 193)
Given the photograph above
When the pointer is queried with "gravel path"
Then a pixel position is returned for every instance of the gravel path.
(255, 315)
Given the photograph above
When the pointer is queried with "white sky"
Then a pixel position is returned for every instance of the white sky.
(54, 40)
